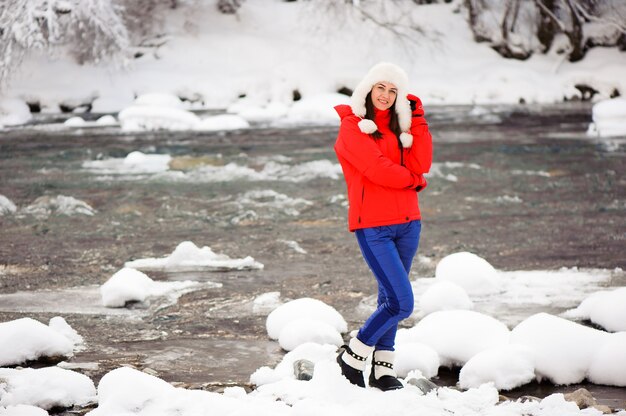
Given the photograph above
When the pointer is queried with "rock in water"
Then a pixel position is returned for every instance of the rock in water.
(582, 397)
(303, 369)
(422, 383)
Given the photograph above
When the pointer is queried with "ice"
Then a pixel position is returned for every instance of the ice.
(6, 206)
(130, 285)
(303, 308)
(222, 122)
(26, 339)
(294, 246)
(444, 295)
(506, 366)
(13, 111)
(275, 201)
(46, 206)
(266, 303)
(189, 257)
(456, 335)
(469, 271)
(609, 118)
(607, 309)
(45, 387)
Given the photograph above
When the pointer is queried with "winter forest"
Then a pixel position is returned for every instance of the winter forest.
(174, 212)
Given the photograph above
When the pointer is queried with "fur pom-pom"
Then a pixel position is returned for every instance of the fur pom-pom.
(406, 139)
(368, 126)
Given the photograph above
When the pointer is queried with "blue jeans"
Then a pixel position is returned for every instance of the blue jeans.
(389, 251)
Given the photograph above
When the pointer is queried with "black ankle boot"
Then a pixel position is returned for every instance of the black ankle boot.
(386, 382)
(353, 375)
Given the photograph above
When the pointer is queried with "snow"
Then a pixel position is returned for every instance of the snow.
(266, 302)
(189, 257)
(45, 387)
(411, 356)
(26, 339)
(46, 206)
(223, 122)
(130, 285)
(152, 118)
(609, 118)
(74, 122)
(313, 309)
(608, 364)
(134, 163)
(22, 410)
(607, 309)
(506, 366)
(444, 295)
(6, 206)
(456, 335)
(318, 109)
(304, 330)
(107, 120)
(13, 111)
(469, 271)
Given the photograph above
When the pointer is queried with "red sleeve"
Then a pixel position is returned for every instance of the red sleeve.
(358, 149)
(419, 156)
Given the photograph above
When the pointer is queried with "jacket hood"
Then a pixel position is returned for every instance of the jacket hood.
(384, 71)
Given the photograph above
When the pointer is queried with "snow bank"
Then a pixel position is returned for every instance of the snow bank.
(13, 112)
(130, 285)
(6, 206)
(45, 387)
(223, 122)
(157, 111)
(444, 295)
(303, 308)
(25, 339)
(607, 309)
(456, 335)
(471, 272)
(189, 257)
(609, 118)
(317, 109)
(46, 206)
(562, 350)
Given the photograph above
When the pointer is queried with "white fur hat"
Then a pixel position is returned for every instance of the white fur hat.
(383, 71)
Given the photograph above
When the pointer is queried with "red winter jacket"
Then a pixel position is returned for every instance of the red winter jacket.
(381, 179)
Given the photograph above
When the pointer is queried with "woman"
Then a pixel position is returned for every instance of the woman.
(384, 148)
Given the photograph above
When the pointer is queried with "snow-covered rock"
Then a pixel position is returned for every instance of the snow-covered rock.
(456, 335)
(609, 118)
(444, 295)
(607, 309)
(305, 330)
(45, 206)
(134, 163)
(45, 387)
(412, 356)
(471, 272)
(157, 111)
(303, 308)
(188, 257)
(506, 366)
(106, 120)
(608, 363)
(223, 122)
(6, 206)
(13, 111)
(74, 122)
(26, 339)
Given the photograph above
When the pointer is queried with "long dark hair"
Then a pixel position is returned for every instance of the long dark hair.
(394, 124)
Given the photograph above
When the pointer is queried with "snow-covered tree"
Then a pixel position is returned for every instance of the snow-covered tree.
(519, 28)
(93, 29)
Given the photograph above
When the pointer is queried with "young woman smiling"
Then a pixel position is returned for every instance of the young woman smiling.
(384, 148)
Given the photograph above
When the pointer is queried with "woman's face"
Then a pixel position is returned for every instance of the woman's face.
(384, 95)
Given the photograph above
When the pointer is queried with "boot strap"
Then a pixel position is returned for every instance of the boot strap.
(384, 364)
(351, 353)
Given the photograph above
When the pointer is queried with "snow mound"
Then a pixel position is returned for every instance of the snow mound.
(189, 257)
(303, 308)
(471, 272)
(45, 387)
(608, 364)
(158, 99)
(609, 118)
(106, 120)
(506, 366)
(456, 335)
(313, 352)
(257, 113)
(6, 206)
(607, 309)
(304, 330)
(444, 295)
(22, 410)
(317, 109)
(26, 339)
(157, 111)
(74, 122)
(411, 356)
(563, 350)
(223, 122)
(13, 112)
(130, 285)
(134, 163)
(46, 206)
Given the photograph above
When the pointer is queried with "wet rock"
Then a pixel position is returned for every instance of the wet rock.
(303, 369)
(582, 398)
(604, 409)
(422, 383)
(525, 399)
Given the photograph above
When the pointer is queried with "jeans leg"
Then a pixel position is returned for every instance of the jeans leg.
(383, 258)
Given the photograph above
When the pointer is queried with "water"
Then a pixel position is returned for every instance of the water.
(522, 187)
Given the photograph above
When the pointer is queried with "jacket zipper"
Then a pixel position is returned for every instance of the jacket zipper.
(401, 151)
(362, 199)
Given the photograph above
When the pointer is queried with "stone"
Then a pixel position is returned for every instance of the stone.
(582, 398)
(303, 369)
